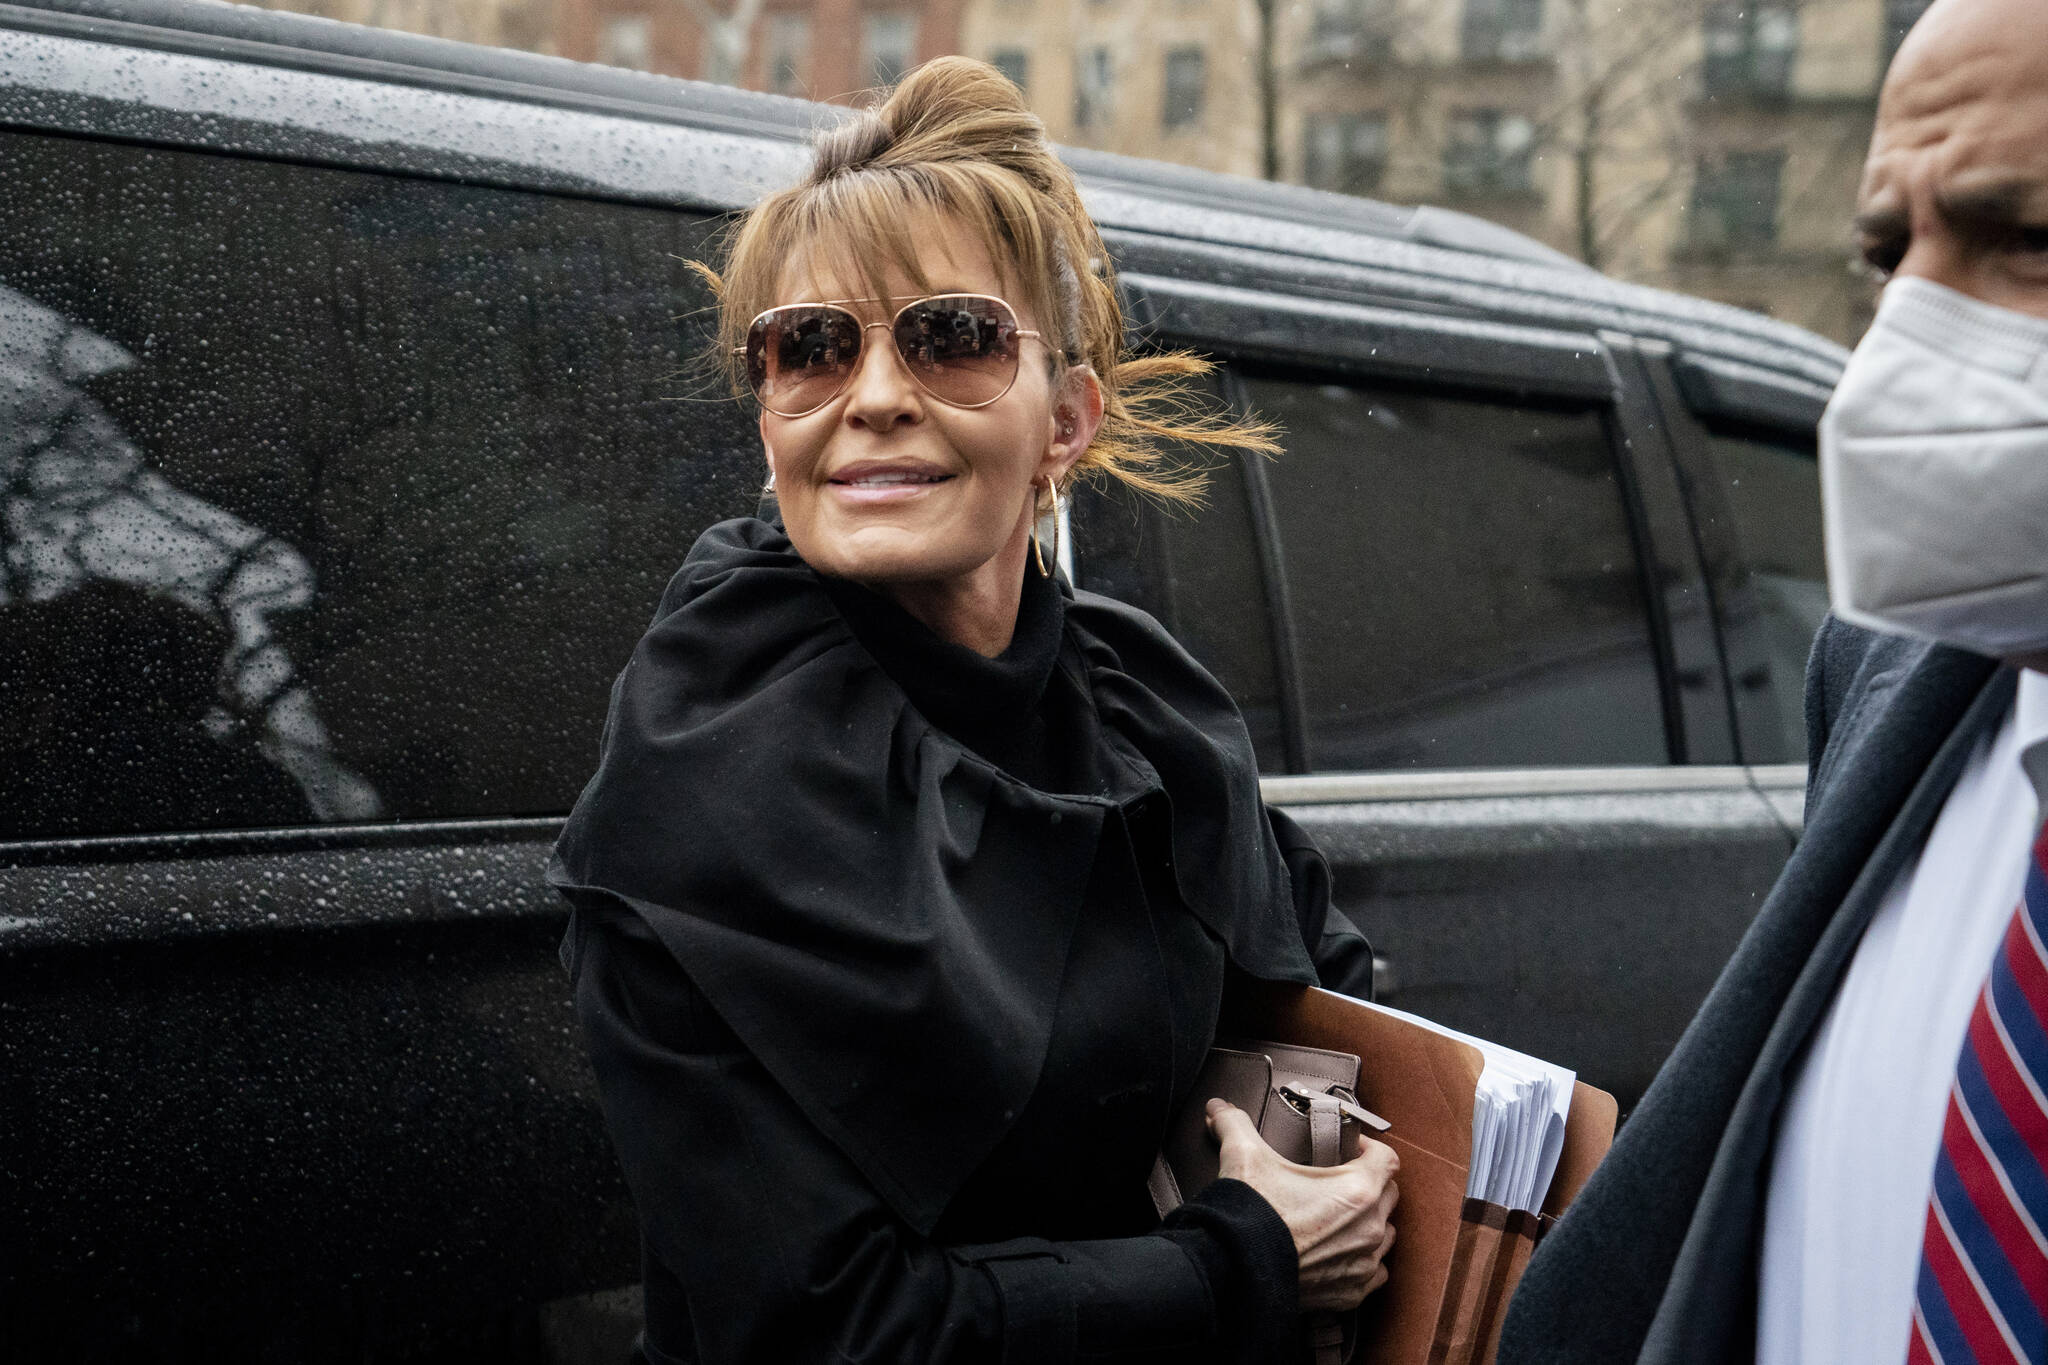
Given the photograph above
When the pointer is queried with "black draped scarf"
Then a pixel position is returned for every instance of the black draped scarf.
(880, 912)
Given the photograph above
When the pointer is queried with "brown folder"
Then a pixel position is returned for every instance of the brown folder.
(1455, 1261)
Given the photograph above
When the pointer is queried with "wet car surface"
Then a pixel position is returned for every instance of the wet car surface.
(350, 425)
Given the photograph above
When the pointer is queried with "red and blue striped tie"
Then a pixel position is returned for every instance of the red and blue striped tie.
(1982, 1294)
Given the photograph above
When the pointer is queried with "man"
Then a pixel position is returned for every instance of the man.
(1843, 1160)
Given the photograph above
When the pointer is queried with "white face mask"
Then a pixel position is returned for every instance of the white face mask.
(1934, 473)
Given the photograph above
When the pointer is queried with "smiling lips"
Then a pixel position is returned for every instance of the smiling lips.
(891, 483)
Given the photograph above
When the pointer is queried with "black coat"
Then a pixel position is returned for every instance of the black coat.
(1657, 1260)
(889, 1015)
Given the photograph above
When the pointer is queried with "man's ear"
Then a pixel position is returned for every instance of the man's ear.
(1076, 417)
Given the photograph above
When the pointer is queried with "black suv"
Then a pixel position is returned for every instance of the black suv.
(349, 429)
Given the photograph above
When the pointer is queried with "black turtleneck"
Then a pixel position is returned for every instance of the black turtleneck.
(1033, 719)
(1019, 710)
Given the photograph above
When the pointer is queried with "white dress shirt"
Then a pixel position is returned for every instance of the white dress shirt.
(1856, 1140)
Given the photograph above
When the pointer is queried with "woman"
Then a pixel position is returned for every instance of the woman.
(909, 882)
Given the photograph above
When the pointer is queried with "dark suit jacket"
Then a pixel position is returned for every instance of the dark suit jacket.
(1657, 1260)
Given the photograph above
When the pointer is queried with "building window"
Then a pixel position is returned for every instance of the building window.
(1750, 48)
(1488, 152)
(1187, 82)
(1345, 152)
(1015, 64)
(789, 53)
(1899, 18)
(1094, 88)
(1348, 31)
(1735, 200)
(627, 40)
(1502, 30)
(889, 43)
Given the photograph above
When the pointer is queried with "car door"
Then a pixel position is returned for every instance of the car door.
(1744, 438)
(1471, 634)
(347, 440)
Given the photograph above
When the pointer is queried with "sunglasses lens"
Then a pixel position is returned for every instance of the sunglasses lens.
(962, 347)
(799, 357)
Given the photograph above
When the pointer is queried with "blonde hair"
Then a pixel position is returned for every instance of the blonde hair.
(955, 138)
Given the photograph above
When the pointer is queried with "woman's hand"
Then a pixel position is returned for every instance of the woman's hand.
(1338, 1214)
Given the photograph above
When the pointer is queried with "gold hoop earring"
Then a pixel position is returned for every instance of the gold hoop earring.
(1038, 554)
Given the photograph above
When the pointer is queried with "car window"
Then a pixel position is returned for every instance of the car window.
(330, 495)
(1778, 593)
(1196, 569)
(1464, 583)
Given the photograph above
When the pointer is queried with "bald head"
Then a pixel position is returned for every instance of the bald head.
(2000, 45)
(1956, 187)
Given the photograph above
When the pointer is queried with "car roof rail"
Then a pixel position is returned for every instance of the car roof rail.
(1701, 331)
(1721, 389)
(311, 42)
(1426, 224)
(283, 38)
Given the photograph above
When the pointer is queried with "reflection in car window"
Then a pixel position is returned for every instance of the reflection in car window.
(1465, 587)
(328, 495)
(1779, 592)
(1197, 571)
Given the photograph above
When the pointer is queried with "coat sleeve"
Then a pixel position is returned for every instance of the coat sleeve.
(1342, 956)
(762, 1242)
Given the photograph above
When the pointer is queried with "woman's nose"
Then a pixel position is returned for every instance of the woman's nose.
(881, 392)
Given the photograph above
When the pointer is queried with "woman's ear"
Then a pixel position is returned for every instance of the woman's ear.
(1076, 417)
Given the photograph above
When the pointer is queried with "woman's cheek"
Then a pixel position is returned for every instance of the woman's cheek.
(791, 457)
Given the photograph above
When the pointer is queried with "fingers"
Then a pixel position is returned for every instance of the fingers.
(1375, 1278)
(1227, 1121)
(1339, 1216)
(1240, 1139)
(1368, 1145)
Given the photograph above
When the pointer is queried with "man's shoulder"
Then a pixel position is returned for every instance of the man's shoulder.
(1859, 680)
(1850, 652)
(1850, 661)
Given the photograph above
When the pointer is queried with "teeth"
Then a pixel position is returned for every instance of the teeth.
(888, 480)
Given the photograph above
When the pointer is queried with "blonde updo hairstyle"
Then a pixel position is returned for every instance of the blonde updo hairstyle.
(955, 138)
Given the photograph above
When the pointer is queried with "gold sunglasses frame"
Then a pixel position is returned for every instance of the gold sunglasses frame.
(839, 305)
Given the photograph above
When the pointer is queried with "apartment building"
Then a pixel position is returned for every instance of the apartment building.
(1173, 79)
(1709, 146)
(1786, 96)
(813, 49)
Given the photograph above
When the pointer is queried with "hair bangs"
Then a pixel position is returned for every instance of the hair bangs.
(856, 231)
(956, 142)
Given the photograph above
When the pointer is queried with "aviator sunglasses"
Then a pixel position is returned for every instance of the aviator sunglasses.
(962, 349)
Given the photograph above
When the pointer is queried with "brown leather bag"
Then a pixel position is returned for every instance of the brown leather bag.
(1304, 1102)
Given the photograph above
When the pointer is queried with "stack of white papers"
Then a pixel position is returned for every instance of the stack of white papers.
(1517, 1120)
